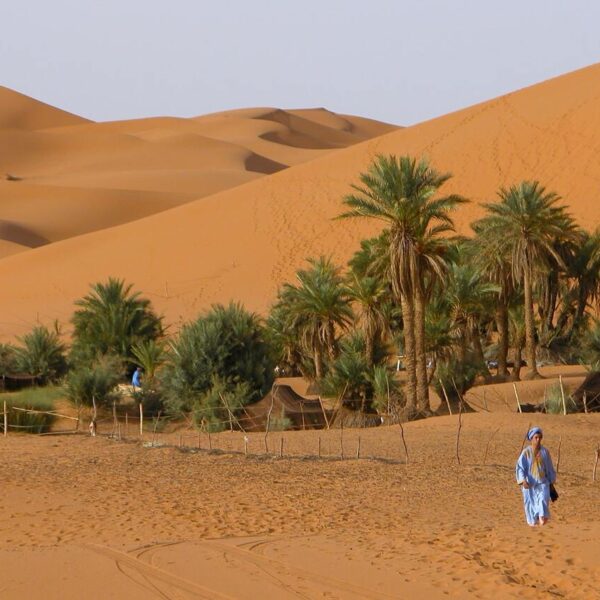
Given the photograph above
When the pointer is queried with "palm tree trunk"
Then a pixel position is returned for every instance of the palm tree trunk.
(318, 358)
(529, 326)
(420, 354)
(409, 356)
(477, 347)
(502, 326)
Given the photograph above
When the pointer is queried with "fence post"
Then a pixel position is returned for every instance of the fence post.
(5, 420)
(141, 421)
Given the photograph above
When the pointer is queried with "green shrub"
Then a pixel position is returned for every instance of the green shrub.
(456, 377)
(41, 399)
(554, 402)
(98, 381)
(42, 354)
(226, 343)
(8, 359)
(217, 409)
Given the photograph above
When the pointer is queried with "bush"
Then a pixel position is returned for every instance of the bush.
(98, 381)
(8, 359)
(218, 408)
(227, 343)
(41, 399)
(554, 402)
(110, 320)
(42, 354)
(455, 377)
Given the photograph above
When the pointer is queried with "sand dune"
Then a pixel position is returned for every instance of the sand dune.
(243, 242)
(64, 162)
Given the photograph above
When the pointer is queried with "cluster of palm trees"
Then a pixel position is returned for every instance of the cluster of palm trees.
(527, 277)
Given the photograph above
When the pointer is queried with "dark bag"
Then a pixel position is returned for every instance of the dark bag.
(553, 493)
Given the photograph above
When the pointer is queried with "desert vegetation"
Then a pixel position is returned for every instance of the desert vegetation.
(450, 310)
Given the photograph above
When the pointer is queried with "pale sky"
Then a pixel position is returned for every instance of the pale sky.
(392, 60)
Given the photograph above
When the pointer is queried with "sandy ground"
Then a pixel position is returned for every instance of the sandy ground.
(98, 518)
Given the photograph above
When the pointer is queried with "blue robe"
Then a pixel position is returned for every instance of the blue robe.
(539, 474)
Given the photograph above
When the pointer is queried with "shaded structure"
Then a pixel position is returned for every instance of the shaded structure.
(289, 410)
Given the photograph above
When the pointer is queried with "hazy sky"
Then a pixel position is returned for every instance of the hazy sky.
(392, 60)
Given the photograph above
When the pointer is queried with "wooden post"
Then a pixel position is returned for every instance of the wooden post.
(141, 421)
(323, 411)
(446, 397)
(488, 445)
(459, 428)
(596, 463)
(517, 397)
(403, 441)
(562, 393)
(198, 440)
(358, 448)
(342, 438)
(246, 445)
(485, 401)
(5, 420)
(126, 424)
(269, 418)
(114, 430)
(281, 448)
(585, 401)
(319, 446)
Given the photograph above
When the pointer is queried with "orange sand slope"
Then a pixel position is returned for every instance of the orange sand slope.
(140, 522)
(63, 179)
(242, 243)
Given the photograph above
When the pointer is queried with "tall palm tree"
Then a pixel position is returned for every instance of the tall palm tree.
(370, 295)
(495, 268)
(400, 192)
(316, 306)
(111, 319)
(525, 225)
(469, 297)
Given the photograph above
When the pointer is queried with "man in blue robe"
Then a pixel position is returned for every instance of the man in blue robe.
(535, 473)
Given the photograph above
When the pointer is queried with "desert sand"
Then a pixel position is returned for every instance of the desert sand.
(99, 518)
(241, 243)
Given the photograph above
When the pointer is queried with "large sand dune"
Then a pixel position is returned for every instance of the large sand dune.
(65, 176)
(242, 243)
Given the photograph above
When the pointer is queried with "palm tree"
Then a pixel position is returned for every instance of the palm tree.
(469, 298)
(110, 320)
(316, 307)
(495, 268)
(400, 192)
(525, 225)
(370, 295)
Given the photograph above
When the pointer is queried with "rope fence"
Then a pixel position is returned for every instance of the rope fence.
(327, 444)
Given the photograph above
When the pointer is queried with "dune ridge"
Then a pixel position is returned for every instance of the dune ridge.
(54, 163)
(242, 243)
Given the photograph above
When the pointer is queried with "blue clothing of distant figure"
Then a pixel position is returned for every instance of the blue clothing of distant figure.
(135, 380)
(538, 472)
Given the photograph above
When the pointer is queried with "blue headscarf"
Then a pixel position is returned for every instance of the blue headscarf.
(533, 431)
